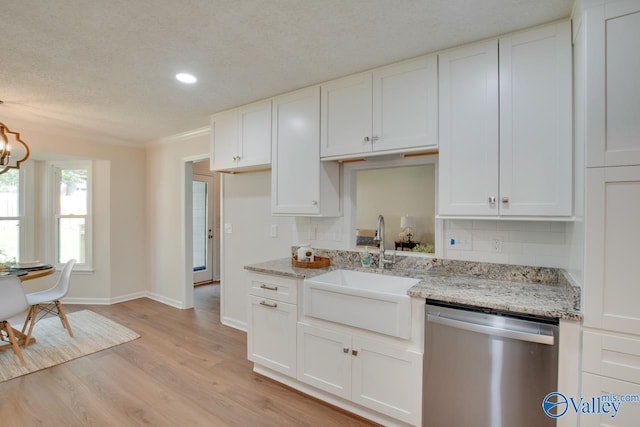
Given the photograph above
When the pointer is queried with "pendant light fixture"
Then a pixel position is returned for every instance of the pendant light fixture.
(8, 151)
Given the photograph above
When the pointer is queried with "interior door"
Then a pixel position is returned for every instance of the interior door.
(203, 228)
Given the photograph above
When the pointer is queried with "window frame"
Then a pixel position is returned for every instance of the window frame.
(23, 232)
(56, 168)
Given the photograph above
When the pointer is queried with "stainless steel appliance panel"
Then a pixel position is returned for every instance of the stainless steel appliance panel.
(487, 370)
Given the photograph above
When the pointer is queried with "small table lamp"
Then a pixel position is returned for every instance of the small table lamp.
(408, 223)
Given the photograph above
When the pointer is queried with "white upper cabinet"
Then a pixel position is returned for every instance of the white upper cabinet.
(613, 91)
(224, 140)
(346, 116)
(468, 153)
(392, 109)
(241, 138)
(300, 184)
(536, 123)
(505, 126)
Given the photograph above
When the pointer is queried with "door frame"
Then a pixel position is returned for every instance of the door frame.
(212, 252)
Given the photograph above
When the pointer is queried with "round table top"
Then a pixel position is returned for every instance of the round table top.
(34, 274)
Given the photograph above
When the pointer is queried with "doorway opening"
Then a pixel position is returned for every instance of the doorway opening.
(205, 229)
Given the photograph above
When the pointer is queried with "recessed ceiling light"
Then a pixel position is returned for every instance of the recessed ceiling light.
(186, 78)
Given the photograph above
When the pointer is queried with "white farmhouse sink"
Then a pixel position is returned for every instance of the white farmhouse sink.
(369, 301)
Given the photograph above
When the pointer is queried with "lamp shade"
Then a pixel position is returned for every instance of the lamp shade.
(407, 221)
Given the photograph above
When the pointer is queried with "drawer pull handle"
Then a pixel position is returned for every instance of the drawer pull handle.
(266, 304)
(269, 288)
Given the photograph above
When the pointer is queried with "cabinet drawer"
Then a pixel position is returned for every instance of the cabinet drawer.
(611, 356)
(277, 288)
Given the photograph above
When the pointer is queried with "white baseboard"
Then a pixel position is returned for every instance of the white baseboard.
(168, 301)
(233, 323)
(104, 301)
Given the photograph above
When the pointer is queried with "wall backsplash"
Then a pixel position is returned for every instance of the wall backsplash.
(321, 232)
(534, 243)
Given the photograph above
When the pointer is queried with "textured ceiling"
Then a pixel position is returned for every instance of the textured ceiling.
(107, 67)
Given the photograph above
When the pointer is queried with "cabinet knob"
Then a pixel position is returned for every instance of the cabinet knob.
(367, 140)
(492, 199)
(345, 350)
(505, 200)
(354, 352)
(314, 202)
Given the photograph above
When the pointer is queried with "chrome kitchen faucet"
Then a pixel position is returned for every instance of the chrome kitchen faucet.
(379, 237)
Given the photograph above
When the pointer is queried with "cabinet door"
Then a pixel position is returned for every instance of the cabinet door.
(271, 334)
(346, 116)
(612, 269)
(535, 122)
(597, 386)
(224, 140)
(405, 105)
(613, 90)
(295, 175)
(324, 359)
(468, 117)
(255, 134)
(387, 379)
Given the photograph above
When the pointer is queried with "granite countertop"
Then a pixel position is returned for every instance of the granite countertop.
(520, 290)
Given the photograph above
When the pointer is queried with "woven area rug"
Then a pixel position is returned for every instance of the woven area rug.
(92, 333)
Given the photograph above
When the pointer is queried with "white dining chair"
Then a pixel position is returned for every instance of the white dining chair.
(48, 302)
(12, 303)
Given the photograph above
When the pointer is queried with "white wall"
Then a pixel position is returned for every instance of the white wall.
(165, 219)
(247, 210)
(119, 215)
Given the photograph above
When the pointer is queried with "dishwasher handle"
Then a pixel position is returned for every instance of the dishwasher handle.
(491, 330)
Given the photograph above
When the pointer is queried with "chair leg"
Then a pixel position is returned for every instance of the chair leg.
(26, 322)
(63, 318)
(33, 312)
(14, 342)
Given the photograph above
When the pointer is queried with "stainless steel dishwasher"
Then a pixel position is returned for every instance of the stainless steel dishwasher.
(486, 368)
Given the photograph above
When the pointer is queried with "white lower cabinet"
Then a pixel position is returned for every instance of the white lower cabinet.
(604, 388)
(376, 374)
(271, 335)
(271, 322)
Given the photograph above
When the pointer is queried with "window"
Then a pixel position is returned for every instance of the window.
(72, 213)
(11, 214)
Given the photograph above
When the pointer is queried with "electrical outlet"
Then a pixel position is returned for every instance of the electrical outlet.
(496, 244)
(459, 240)
(228, 228)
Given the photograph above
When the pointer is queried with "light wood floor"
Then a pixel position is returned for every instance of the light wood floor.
(187, 369)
